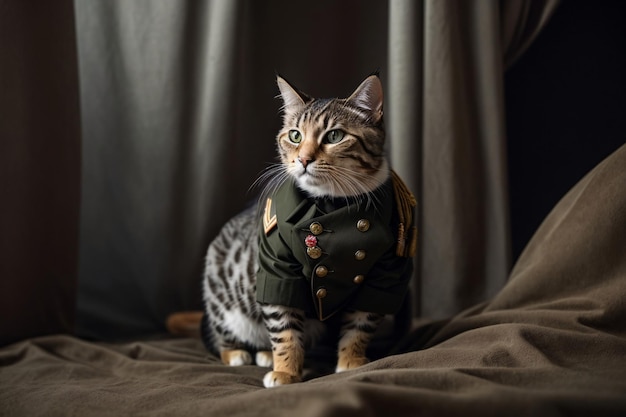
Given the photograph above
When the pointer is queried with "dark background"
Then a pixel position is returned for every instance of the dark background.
(565, 108)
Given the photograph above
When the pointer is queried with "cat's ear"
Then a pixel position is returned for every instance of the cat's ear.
(293, 99)
(369, 97)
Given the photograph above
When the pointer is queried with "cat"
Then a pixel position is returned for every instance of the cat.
(325, 247)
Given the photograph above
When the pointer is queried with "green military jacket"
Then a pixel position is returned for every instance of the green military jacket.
(322, 259)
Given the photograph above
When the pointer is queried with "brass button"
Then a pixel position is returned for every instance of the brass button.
(316, 228)
(359, 279)
(321, 293)
(359, 255)
(314, 252)
(363, 225)
(321, 271)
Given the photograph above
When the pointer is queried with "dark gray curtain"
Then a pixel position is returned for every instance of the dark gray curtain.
(39, 168)
(179, 117)
(446, 69)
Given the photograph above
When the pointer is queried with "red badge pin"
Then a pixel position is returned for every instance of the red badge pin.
(310, 241)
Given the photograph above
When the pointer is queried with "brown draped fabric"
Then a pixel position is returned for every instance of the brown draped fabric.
(179, 117)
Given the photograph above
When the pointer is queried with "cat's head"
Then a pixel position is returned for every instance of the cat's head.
(334, 147)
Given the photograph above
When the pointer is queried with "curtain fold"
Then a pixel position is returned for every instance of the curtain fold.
(208, 115)
(404, 114)
(157, 86)
(447, 60)
(522, 20)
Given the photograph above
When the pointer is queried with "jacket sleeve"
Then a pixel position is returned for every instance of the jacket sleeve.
(279, 277)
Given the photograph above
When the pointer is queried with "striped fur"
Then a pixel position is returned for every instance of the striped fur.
(354, 166)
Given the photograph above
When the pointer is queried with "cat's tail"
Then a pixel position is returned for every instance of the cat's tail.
(185, 323)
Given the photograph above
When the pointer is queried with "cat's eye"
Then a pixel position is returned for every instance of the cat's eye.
(295, 136)
(334, 136)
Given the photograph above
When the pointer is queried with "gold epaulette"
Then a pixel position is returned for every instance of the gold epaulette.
(406, 203)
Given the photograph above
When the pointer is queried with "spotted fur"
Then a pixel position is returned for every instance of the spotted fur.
(237, 327)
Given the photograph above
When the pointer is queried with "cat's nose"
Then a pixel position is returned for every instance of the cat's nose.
(304, 160)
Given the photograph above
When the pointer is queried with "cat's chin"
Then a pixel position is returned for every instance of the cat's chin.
(317, 189)
(312, 186)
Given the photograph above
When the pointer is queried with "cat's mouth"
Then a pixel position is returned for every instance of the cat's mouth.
(303, 171)
(310, 176)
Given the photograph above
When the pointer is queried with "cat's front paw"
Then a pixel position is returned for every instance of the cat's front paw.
(264, 358)
(345, 364)
(237, 357)
(275, 379)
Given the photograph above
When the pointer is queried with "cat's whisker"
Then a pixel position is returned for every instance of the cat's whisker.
(270, 180)
(355, 183)
(267, 174)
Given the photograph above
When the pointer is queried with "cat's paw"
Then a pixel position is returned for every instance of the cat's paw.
(275, 379)
(237, 357)
(264, 358)
(345, 364)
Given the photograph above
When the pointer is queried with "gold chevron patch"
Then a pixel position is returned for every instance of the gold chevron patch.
(269, 217)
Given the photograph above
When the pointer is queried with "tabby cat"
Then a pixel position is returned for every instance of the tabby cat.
(326, 245)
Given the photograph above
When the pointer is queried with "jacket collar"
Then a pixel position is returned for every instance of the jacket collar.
(293, 202)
